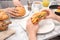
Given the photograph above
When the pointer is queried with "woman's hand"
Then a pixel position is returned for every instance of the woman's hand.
(51, 14)
(32, 30)
(12, 12)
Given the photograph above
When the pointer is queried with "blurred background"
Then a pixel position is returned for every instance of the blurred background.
(9, 3)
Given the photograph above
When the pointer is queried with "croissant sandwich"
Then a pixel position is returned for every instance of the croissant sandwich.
(39, 16)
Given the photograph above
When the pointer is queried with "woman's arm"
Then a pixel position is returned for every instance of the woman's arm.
(32, 30)
(17, 3)
(32, 36)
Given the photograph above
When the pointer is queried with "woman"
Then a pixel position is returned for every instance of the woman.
(32, 29)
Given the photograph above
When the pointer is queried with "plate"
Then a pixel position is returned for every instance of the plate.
(46, 26)
(54, 4)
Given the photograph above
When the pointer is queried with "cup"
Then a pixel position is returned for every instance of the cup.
(36, 6)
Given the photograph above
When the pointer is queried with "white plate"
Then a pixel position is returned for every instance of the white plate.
(46, 26)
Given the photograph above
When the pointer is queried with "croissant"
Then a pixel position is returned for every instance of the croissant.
(3, 15)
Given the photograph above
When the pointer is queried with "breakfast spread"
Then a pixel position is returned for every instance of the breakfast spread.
(39, 16)
(20, 11)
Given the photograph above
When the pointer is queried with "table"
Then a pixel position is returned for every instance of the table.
(21, 33)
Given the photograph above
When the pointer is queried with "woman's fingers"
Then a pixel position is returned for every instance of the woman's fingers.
(12, 12)
(12, 16)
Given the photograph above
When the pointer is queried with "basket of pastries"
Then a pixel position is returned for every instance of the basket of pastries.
(4, 20)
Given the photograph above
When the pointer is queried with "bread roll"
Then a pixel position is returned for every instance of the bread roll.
(20, 11)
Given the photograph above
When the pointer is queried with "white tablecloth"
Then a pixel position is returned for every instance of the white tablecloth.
(21, 33)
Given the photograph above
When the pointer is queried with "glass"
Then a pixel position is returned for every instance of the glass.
(45, 3)
(36, 6)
